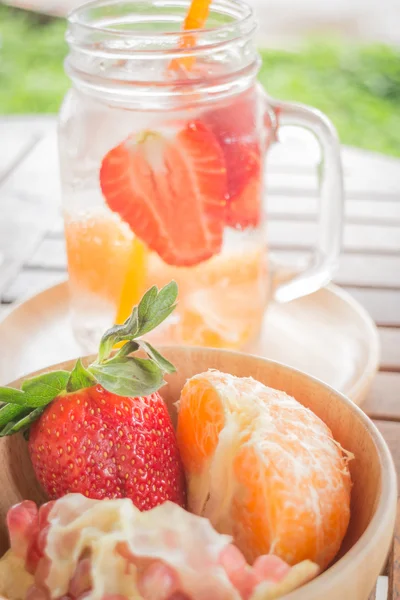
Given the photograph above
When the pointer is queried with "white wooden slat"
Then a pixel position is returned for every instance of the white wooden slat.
(291, 165)
(383, 305)
(37, 178)
(370, 271)
(385, 212)
(390, 348)
(57, 229)
(14, 145)
(382, 401)
(29, 205)
(357, 238)
(298, 150)
(355, 270)
(34, 124)
(382, 588)
(282, 235)
(51, 254)
(356, 186)
(27, 283)
(305, 209)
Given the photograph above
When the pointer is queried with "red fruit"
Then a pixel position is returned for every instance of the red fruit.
(235, 127)
(171, 189)
(102, 445)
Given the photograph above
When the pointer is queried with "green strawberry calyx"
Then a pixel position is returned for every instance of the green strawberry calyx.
(119, 372)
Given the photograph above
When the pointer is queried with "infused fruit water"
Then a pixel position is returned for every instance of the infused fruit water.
(175, 194)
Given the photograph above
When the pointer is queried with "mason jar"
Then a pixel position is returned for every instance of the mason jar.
(164, 139)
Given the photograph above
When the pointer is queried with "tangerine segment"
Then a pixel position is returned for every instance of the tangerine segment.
(275, 478)
(99, 250)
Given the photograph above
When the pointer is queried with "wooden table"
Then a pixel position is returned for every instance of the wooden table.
(31, 240)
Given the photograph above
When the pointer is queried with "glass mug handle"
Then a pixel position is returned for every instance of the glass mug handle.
(331, 207)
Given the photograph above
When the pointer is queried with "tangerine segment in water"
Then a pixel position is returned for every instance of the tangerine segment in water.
(99, 248)
(263, 468)
(214, 308)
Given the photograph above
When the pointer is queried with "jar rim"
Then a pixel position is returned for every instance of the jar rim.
(242, 19)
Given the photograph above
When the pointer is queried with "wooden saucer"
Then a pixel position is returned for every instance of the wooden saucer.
(374, 492)
(327, 335)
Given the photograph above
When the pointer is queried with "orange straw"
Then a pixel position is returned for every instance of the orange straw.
(196, 18)
(197, 15)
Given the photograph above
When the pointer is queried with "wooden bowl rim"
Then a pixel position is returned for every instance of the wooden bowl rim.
(385, 510)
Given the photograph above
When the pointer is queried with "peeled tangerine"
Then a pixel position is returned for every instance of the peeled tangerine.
(81, 549)
(263, 468)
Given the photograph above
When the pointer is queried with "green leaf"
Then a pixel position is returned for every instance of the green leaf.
(11, 395)
(168, 295)
(156, 319)
(146, 303)
(22, 424)
(42, 389)
(80, 378)
(160, 361)
(7, 428)
(153, 309)
(128, 376)
(116, 334)
(10, 412)
(123, 374)
(126, 349)
(24, 406)
(151, 314)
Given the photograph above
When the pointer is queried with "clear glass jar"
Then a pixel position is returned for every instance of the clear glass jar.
(163, 139)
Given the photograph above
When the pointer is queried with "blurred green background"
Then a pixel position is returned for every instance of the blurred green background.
(357, 86)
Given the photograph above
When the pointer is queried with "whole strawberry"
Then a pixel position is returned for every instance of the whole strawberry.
(106, 446)
(104, 431)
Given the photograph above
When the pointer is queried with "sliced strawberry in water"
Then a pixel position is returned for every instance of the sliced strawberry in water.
(171, 189)
(235, 127)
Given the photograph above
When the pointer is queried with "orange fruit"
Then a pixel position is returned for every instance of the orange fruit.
(104, 259)
(98, 250)
(204, 317)
(263, 469)
(134, 285)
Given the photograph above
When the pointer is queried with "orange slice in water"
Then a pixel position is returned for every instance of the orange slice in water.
(99, 250)
(135, 281)
(106, 260)
(204, 318)
(263, 468)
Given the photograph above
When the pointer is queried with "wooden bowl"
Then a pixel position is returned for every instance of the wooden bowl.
(373, 504)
